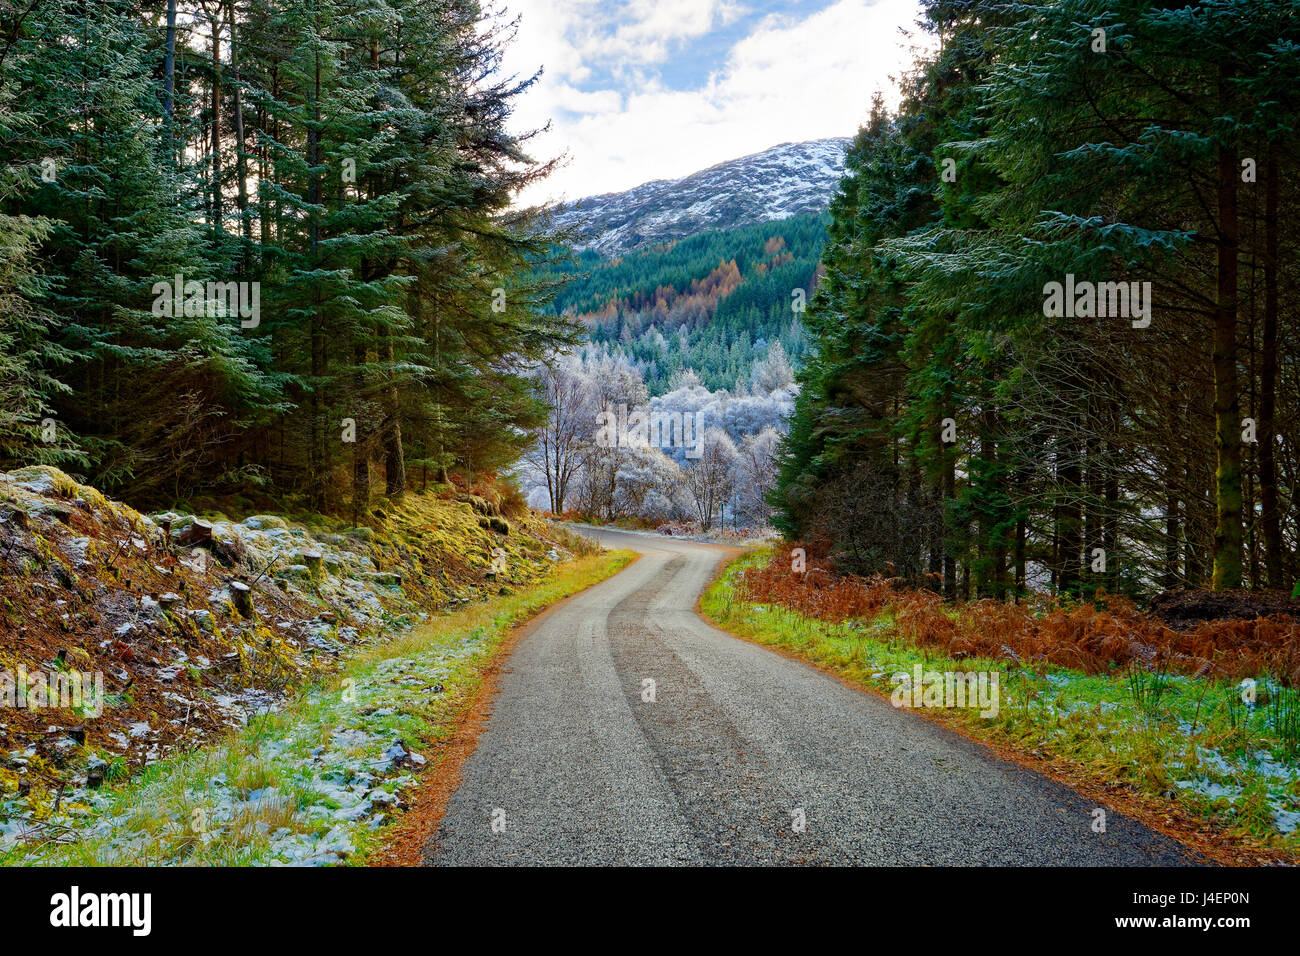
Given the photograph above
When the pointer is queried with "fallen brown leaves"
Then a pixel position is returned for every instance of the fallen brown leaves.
(1092, 637)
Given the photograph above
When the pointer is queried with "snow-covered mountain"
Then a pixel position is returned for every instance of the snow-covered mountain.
(777, 183)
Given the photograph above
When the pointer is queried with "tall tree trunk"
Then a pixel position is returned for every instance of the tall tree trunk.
(218, 212)
(241, 160)
(1171, 537)
(934, 537)
(949, 554)
(1070, 515)
(443, 477)
(1270, 517)
(394, 454)
(263, 175)
(361, 449)
(1196, 513)
(316, 454)
(1110, 529)
(169, 78)
(1227, 409)
(1021, 542)
(1091, 500)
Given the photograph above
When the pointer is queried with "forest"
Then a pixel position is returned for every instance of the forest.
(958, 424)
(265, 248)
(711, 303)
(272, 249)
(704, 329)
(353, 513)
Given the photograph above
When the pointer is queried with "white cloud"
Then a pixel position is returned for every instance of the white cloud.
(655, 25)
(787, 80)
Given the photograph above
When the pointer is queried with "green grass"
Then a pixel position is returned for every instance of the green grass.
(279, 789)
(1233, 763)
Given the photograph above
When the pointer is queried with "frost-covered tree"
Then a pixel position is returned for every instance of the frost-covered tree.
(772, 371)
(756, 476)
(711, 479)
(564, 440)
(591, 454)
(648, 482)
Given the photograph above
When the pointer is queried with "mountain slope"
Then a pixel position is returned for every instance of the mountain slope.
(713, 302)
(784, 181)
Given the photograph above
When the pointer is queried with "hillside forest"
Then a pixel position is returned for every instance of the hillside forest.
(1056, 342)
(1044, 337)
(703, 331)
(264, 248)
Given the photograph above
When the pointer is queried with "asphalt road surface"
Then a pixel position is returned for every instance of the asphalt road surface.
(576, 767)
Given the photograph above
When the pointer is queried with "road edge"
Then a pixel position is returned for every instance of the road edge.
(410, 840)
(1181, 826)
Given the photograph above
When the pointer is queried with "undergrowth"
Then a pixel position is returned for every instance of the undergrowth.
(1117, 702)
(315, 781)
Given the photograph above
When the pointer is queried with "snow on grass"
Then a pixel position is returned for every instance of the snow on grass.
(1197, 741)
(312, 782)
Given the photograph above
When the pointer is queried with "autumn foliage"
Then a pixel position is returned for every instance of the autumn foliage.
(1094, 637)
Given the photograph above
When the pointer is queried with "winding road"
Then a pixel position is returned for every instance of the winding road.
(738, 746)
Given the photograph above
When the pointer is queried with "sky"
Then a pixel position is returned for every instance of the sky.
(637, 90)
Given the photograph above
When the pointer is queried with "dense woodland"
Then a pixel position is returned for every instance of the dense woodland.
(351, 158)
(712, 303)
(348, 163)
(948, 429)
(706, 329)
(714, 470)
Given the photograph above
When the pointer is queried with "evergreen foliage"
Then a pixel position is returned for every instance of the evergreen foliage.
(1082, 447)
(339, 170)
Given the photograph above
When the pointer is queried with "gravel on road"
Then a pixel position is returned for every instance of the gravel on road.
(627, 731)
